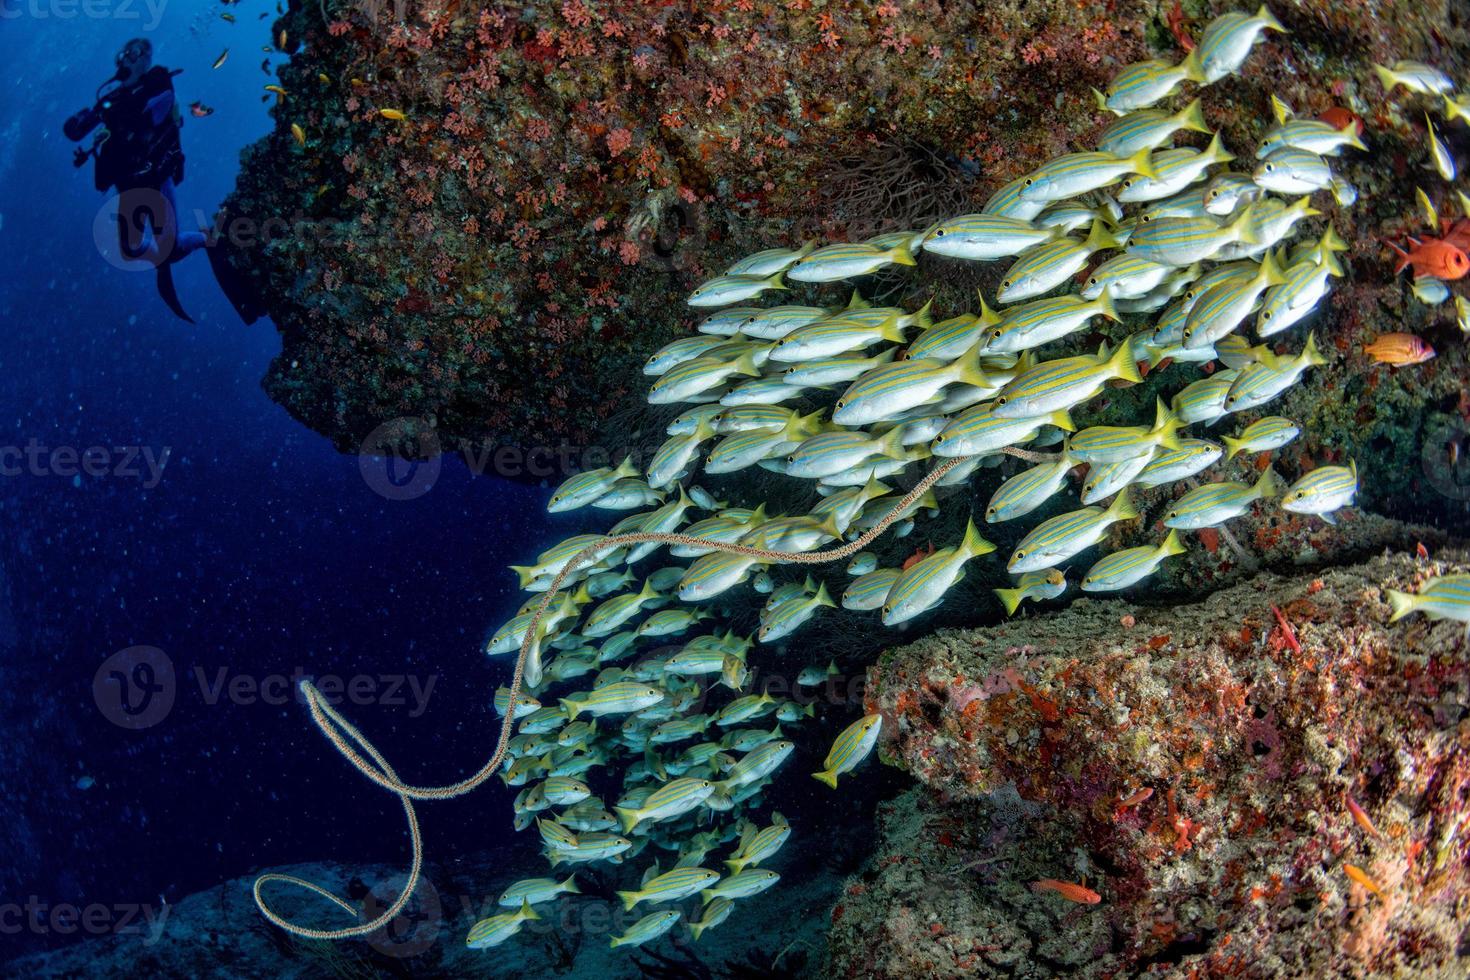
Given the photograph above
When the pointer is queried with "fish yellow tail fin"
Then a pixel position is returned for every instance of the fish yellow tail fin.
(1194, 70)
(1121, 364)
(974, 545)
(826, 776)
(627, 819)
(1192, 118)
(1010, 598)
(1122, 509)
(1172, 545)
(1402, 603)
(1062, 419)
(630, 899)
(1166, 426)
(1105, 306)
(1216, 151)
(1142, 163)
(1311, 354)
(1268, 486)
(1233, 446)
(572, 708)
(901, 255)
(1269, 21)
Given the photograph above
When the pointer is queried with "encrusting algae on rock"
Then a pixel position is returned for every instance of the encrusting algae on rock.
(1191, 253)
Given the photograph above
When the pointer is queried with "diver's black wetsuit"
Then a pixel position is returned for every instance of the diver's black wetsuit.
(142, 153)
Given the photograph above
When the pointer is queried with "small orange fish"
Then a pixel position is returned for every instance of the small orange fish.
(1432, 257)
(1361, 877)
(1360, 817)
(200, 110)
(1337, 117)
(1399, 349)
(919, 555)
(394, 114)
(1069, 890)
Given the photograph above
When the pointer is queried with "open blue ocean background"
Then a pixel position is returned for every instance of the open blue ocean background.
(260, 552)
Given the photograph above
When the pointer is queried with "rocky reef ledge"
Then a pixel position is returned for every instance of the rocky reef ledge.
(1198, 767)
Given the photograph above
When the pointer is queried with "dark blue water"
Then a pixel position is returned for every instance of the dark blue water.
(255, 553)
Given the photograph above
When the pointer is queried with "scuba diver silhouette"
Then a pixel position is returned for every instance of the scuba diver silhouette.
(137, 151)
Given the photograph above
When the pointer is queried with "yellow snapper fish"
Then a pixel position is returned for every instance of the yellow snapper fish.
(985, 237)
(923, 585)
(757, 845)
(1042, 321)
(623, 697)
(695, 378)
(1054, 386)
(670, 800)
(1262, 435)
(850, 748)
(1439, 154)
(770, 261)
(646, 929)
(1144, 83)
(1260, 382)
(1114, 443)
(1174, 170)
(1445, 597)
(670, 886)
(714, 913)
(1182, 241)
(1291, 170)
(1038, 586)
(887, 391)
(498, 928)
(1106, 479)
(1059, 538)
(582, 489)
(1215, 503)
(1148, 129)
(1312, 135)
(1124, 568)
(1223, 307)
(1414, 76)
(868, 591)
(1169, 466)
(846, 260)
(742, 884)
(724, 290)
(1028, 490)
(980, 429)
(787, 617)
(1073, 174)
(1322, 491)
(537, 890)
(1227, 42)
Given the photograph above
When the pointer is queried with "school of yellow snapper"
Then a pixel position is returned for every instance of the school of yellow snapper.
(853, 397)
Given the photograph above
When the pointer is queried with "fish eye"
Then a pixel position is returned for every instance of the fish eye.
(1001, 400)
(1020, 554)
(1270, 167)
(1146, 218)
(995, 334)
(1092, 280)
(1028, 181)
(1005, 284)
(1128, 182)
(1266, 315)
(840, 403)
(1173, 514)
(790, 459)
(939, 233)
(990, 512)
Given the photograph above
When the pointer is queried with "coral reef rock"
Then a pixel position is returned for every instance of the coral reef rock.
(1210, 771)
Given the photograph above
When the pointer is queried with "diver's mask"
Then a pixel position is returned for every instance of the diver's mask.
(135, 58)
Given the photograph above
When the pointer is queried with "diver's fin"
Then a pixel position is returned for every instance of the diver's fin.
(168, 293)
(237, 289)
